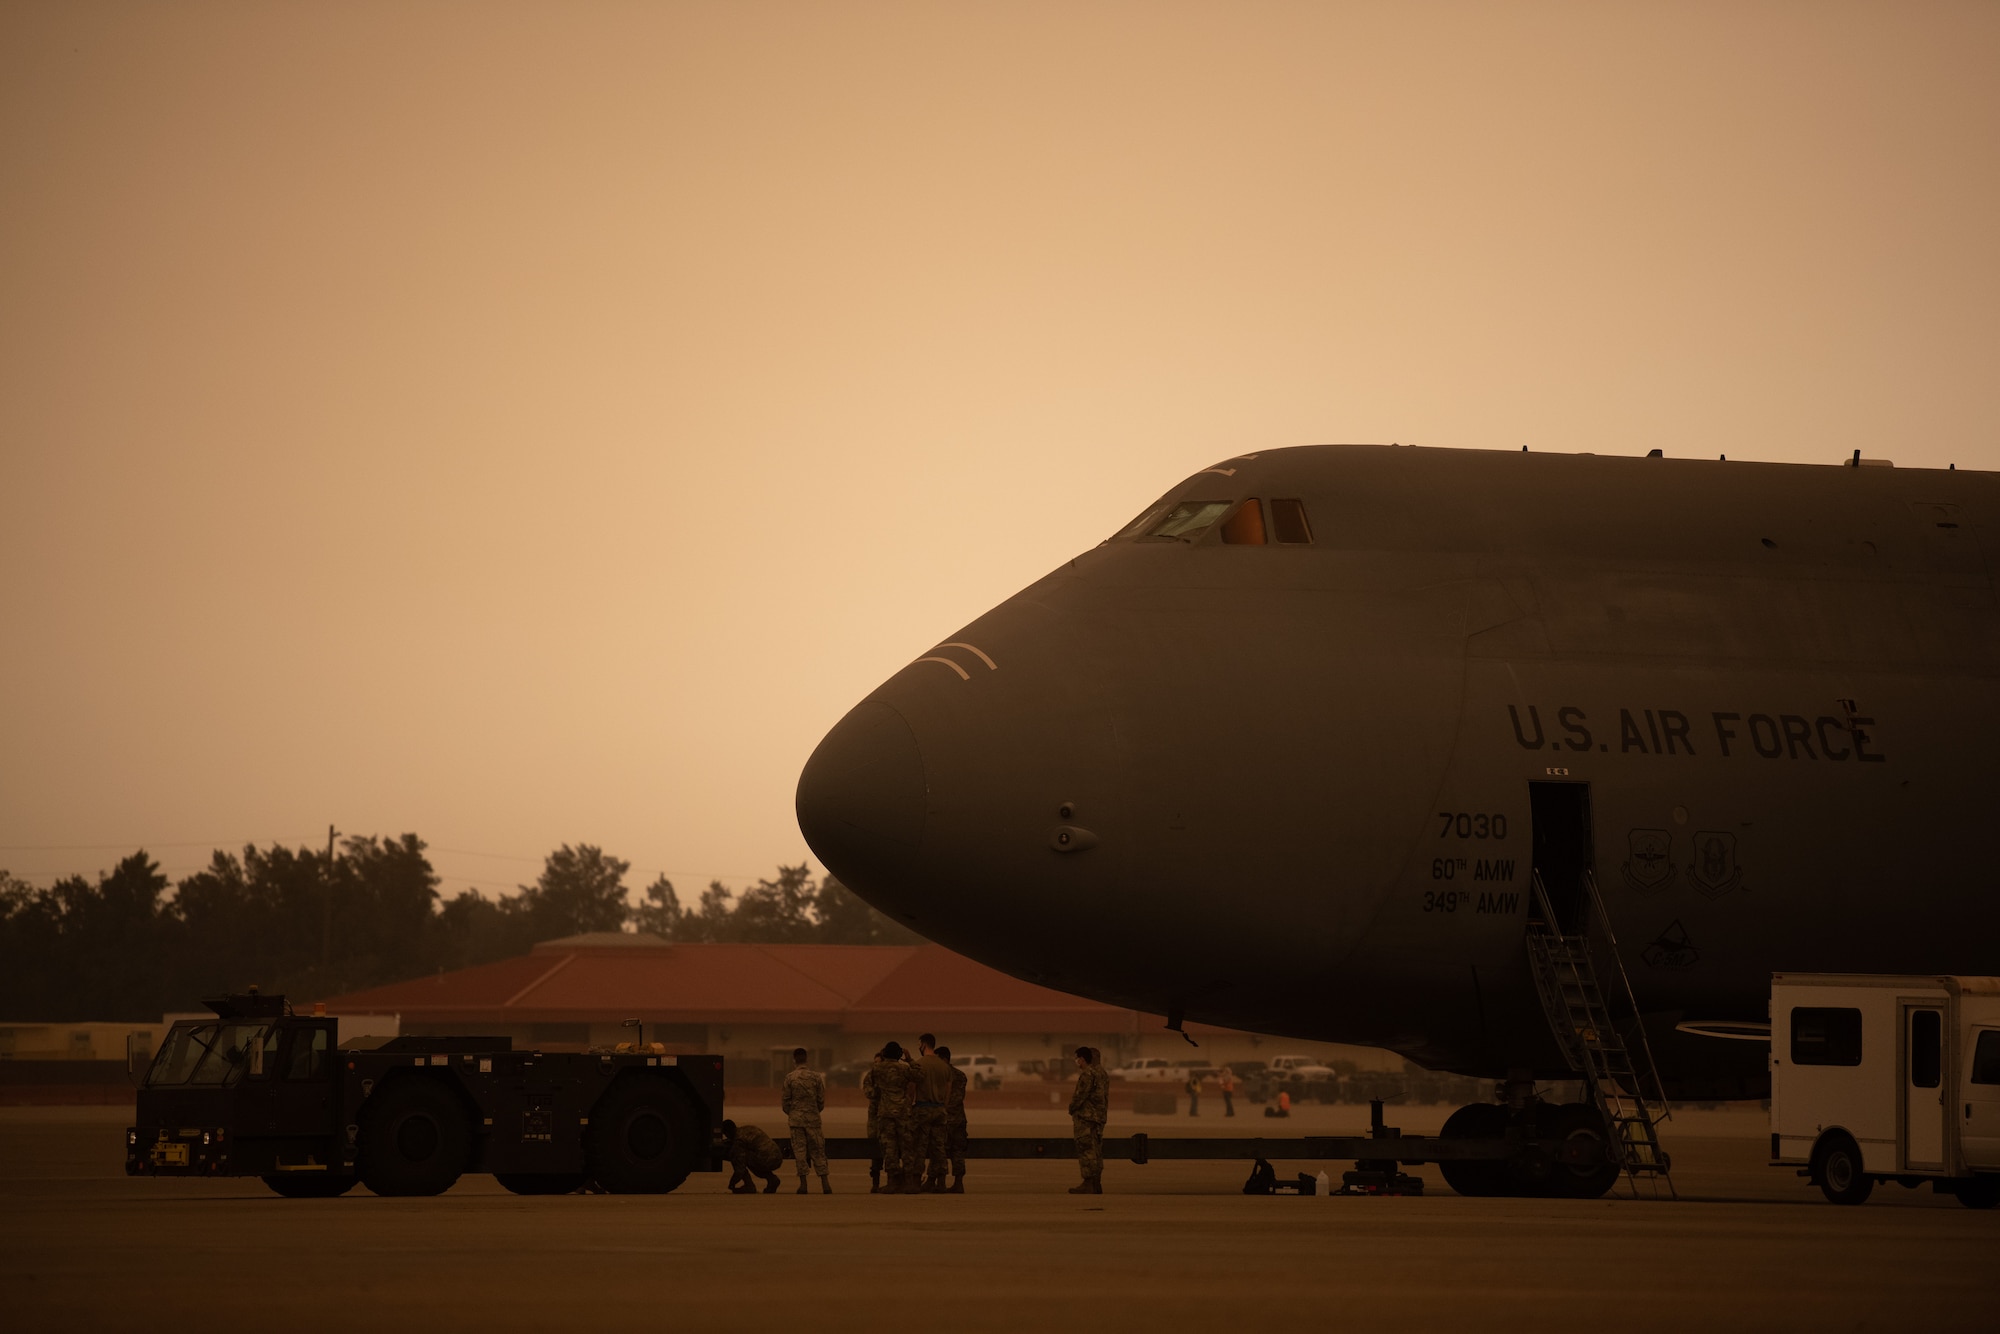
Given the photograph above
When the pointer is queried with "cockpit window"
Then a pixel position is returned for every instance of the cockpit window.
(1188, 519)
(1288, 521)
(1245, 528)
(1140, 524)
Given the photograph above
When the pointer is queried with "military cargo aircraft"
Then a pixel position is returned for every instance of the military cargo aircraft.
(1286, 753)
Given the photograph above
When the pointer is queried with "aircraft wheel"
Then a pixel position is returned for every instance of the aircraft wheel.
(1980, 1192)
(1532, 1172)
(414, 1139)
(1839, 1172)
(309, 1185)
(540, 1183)
(1580, 1121)
(644, 1138)
(1478, 1120)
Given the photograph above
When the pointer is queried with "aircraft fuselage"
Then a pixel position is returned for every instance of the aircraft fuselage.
(1295, 786)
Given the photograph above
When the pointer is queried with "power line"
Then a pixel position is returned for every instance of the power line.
(217, 843)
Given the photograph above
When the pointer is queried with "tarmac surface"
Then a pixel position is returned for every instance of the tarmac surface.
(1170, 1246)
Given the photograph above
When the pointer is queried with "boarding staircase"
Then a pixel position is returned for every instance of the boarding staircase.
(1617, 1067)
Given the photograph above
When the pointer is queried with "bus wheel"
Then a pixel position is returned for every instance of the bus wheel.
(1837, 1168)
(1979, 1192)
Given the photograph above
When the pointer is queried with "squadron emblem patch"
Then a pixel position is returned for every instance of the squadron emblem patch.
(1650, 867)
(1714, 869)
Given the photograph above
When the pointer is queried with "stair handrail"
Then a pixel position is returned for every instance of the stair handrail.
(1623, 1112)
(1549, 928)
(1603, 918)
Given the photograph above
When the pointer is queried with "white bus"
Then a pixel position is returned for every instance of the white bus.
(1882, 1078)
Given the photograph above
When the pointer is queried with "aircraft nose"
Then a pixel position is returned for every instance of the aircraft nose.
(863, 787)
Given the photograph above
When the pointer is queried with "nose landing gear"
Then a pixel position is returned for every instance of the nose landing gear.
(1584, 1167)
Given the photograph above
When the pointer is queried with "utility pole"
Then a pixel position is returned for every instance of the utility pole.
(326, 923)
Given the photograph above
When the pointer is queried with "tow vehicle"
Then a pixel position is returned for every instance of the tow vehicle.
(260, 1091)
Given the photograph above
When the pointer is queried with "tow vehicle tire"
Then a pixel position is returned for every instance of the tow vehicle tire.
(1837, 1169)
(309, 1185)
(414, 1139)
(540, 1183)
(644, 1138)
(1477, 1120)
(1979, 1192)
(1575, 1121)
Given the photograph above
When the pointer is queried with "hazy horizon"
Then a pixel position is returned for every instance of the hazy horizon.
(522, 424)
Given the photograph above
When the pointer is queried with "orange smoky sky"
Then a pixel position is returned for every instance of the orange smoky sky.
(528, 423)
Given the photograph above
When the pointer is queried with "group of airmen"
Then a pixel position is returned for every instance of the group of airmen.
(916, 1120)
(916, 1124)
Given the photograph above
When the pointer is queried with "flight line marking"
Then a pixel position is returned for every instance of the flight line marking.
(963, 675)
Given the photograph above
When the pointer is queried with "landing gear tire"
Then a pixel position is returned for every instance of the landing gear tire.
(540, 1183)
(309, 1185)
(1839, 1172)
(1980, 1192)
(1478, 1120)
(1571, 1122)
(414, 1139)
(644, 1138)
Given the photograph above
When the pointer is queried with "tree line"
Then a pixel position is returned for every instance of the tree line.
(314, 924)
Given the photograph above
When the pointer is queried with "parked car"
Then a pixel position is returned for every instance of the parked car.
(1153, 1069)
(1043, 1069)
(1301, 1069)
(982, 1072)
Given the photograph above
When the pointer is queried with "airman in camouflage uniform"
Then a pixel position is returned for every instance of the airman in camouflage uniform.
(868, 1095)
(933, 1089)
(804, 1099)
(1089, 1108)
(748, 1149)
(895, 1104)
(954, 1125)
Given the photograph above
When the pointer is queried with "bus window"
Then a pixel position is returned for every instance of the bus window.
(1245, 528)
(1826, 1036)
(1288, 521)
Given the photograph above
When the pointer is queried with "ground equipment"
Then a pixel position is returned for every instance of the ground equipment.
(1540, 1164)
(261, 1091)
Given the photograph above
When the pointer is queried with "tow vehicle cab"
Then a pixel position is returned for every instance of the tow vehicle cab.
(249, 1092)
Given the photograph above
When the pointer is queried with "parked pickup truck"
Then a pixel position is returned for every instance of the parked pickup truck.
(1152, 1070)
(982, 1072)
(1300, 1069)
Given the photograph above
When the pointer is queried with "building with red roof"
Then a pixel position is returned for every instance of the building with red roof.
(754, 1003)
